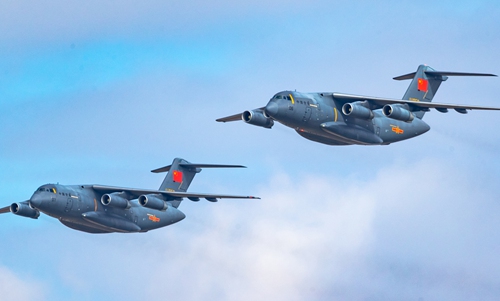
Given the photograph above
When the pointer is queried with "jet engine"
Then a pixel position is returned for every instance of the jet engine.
(357, 109)
(25, 210)
(398, 112)
(115, 199)
(153, 201)
(256, 117)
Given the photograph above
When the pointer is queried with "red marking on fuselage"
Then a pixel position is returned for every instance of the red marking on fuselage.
(153, 218)
(397, 130)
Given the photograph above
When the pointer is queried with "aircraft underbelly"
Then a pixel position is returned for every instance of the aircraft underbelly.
(135, 219)
(322, 139)
(84, 226)
(332, 132)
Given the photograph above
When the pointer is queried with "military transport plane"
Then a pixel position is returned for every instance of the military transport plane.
(346, 119)
(119, 209)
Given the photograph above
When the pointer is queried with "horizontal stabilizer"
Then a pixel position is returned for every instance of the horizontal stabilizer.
(191, 165)
(442, 73)
(406, 76)
(445, 73)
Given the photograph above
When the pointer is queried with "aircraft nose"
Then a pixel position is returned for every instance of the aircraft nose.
(36, 201)
(272, 109)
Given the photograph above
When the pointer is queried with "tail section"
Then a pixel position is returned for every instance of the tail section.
(425, 83)
(181, 173)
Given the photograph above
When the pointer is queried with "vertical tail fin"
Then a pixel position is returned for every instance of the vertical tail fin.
(181, 173)
(423, 86)
(179, 176)
(425, 83)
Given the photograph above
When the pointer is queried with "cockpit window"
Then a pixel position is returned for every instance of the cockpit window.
(287, 97)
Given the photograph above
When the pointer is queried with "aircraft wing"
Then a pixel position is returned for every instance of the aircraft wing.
(5, 209)
(379, 102)
(236, 117)
(168, 194)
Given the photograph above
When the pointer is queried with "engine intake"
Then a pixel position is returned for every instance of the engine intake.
(153, 201)
(115, 199)
(257, 118)
(357, 109)
(25, 210)
(398, 112)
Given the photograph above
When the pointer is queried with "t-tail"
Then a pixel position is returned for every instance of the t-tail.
(425, 83)
(180, 174)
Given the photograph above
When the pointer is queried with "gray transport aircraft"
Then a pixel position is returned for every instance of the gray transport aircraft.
(107, 209)
(346, 119)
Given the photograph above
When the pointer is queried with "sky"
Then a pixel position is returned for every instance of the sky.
(100, 92)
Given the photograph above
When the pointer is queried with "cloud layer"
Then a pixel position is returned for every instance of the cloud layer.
(104, 92)
(315, 236)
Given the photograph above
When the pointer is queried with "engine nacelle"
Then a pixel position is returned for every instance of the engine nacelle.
(257, 118)
(358, 110)
(24, 210)
(153, 201)
(397, 112)
(115, 199)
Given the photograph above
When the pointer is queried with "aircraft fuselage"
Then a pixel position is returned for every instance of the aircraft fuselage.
(79, 207)
(345, 119)
(319, 117)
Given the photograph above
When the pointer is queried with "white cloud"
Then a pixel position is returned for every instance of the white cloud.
(13, 287)
(318, 237)
(364, 223)
(412, 230)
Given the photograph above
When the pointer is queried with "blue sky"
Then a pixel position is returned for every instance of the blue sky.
(95, 92)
